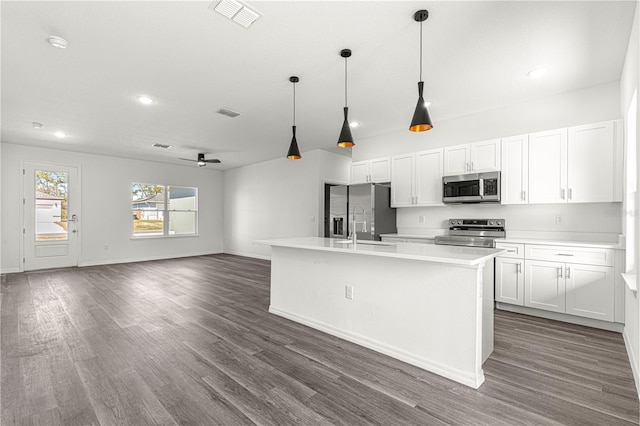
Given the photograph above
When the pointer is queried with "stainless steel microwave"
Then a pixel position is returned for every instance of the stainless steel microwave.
(471, 188)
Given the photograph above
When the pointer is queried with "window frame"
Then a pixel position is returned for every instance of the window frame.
(166, 217)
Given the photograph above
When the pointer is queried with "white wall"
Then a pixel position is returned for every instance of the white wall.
(629, 82)
(105, 184)
(590, 105)
(278, 199)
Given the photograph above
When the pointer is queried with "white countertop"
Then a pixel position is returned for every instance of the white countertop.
(590, 244)
(464, 256)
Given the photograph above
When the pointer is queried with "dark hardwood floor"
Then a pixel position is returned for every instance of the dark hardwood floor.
(190, 341)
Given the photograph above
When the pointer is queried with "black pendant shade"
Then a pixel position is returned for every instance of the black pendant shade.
(345, 140)
(294, 151)
(421, 121)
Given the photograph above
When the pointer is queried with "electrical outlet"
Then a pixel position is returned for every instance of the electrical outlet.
(421, 219)
(312, 218)
(348, 292)
(106, 246)
(558, 218)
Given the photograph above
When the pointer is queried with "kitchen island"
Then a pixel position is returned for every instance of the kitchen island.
(427, 305)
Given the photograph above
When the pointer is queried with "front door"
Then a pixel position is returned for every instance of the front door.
(51, 216)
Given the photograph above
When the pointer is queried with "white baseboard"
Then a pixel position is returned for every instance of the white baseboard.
(144, 259)
(459, 376)
(10, 271)
(633, 359)
(572, 319)
(243, 254)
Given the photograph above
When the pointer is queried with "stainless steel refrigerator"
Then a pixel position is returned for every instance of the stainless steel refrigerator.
(373, 212)
(336, 201)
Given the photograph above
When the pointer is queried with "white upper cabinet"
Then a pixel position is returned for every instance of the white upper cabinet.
(416, 179)
(428, 177)
(547, 167)
(402, 180)
(485, 156)
(580, 164)
(371, 171)
(515, 170)
(456, 159)
(591, 167)
(472, 158)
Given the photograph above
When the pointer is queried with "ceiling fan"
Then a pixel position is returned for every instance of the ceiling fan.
(202, 161)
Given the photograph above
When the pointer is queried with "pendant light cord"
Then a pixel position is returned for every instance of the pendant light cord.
(294, 104)
(420, 50)
(345, 82)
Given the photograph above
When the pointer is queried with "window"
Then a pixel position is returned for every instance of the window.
(163, 210)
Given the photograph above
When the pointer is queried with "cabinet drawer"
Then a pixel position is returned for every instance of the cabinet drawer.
(514, 250)
(584, 255)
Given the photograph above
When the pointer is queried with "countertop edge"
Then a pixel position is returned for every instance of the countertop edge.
(363, 250)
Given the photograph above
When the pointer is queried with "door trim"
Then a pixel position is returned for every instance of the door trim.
(23, 166)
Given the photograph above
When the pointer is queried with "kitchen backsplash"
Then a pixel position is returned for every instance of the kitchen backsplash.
(598, 218)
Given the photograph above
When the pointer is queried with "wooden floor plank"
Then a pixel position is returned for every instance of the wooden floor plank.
(191, 341)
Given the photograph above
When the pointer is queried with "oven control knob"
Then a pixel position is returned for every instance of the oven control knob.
(492, 222)
(459, 222)
(452, 222)
(499, 222)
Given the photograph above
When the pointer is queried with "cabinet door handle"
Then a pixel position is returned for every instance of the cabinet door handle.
(524, 195)
(568, 272)
(519, 268)
(570, 193)
(564, 254)
(472, 166)
(562, 193)
(560, 272)
(467, 168)
(512, 251)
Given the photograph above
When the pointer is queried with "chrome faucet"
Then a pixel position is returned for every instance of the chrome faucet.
(354, 237)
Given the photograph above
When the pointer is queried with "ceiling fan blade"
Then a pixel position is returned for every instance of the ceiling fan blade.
(213, 160)
(186, 159)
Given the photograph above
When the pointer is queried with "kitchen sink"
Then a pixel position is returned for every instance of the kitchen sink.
(366, 242)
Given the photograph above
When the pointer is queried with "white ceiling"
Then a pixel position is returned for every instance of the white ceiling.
(194, 61)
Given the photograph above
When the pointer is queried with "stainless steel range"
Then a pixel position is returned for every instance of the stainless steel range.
(473, 232)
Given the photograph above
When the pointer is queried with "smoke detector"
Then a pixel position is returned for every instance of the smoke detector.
(228, 112)
(236, 11)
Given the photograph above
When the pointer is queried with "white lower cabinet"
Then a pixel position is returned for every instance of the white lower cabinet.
(509, 276)
(590, 291)
(584, 287)
(545, 286)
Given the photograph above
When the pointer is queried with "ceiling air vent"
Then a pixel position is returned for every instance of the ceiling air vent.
(159, 145)
(228, 112)
(236, 11)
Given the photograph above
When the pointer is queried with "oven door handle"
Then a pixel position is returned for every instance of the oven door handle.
(481, 189)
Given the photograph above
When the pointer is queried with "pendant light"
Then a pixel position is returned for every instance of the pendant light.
(294, 152)
(345, 140)
(421, 122)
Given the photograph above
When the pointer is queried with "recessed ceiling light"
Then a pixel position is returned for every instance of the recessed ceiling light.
(60, 134)
(145, 100)
(160, 145)
(36, 125)
(537, 73)
(58, 42)
(354, 124)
